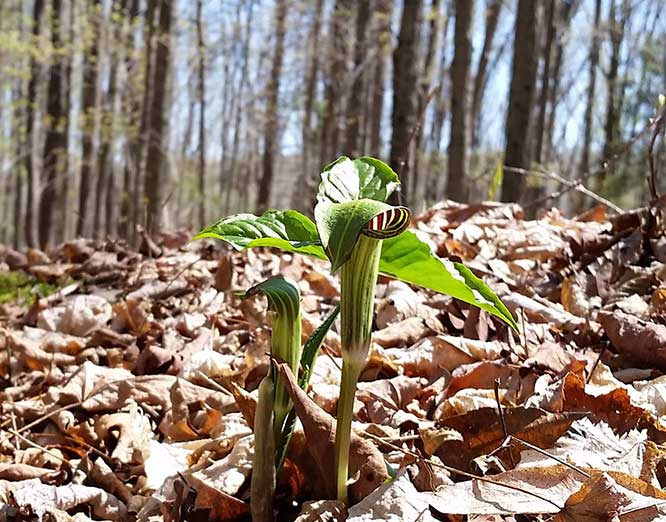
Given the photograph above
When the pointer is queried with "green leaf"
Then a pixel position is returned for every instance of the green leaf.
(288, 230)
(362, 178)
(409, 259)
(351, 194)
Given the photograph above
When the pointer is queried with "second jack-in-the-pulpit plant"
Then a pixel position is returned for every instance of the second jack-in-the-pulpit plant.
(361, 235)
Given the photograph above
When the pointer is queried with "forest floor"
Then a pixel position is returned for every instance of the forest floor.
(129, 390)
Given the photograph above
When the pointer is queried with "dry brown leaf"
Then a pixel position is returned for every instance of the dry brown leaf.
(18, 472)
(482, 432)
(365, 460)
(641, 342)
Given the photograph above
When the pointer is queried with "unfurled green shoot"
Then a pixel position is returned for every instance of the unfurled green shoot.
(362, 236)
(275, 418)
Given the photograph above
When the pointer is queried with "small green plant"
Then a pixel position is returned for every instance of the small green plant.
(275, 417)
(361, 235)
(23, 289)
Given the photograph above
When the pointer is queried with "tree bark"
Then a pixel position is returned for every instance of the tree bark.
(404, 116)
(307, 133)
(545, 83)
(154, 181)
(591, 90)
(383, 15)
(201, 94)
(130, 101)
(521, 98)
(272, 129)
(31, 135)
(493, 9)
(335, 81)
(456, 181)
(355, 105)
(611, 125)
(104, 194)
(56, 129)
(88, 116)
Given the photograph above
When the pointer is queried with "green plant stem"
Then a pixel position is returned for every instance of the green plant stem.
(358, 279)
(350, 373)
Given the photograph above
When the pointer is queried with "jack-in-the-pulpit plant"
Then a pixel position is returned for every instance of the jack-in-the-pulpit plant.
(362, 235)
(274, 418)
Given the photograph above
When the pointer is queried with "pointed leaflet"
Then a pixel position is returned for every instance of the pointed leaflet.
(288, 230)
(409, 259)
(351, 194)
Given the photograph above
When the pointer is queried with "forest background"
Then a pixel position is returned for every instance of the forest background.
(119, 114)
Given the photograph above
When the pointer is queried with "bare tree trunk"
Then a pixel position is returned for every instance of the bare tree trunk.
(130, 100)
(419, 180)
(31, 135)
(88, 116)
(154, 181)
(383, 15)
(611, 125)
(307, 133)
(493, 9)
(104, 194)
(272, 128)
(236, 180)
(355, 105)
(566, 12)
(545, 82)
(335, 81)
(18, 122)
(591, 91)
(521, 98)
(405, 96)
(56, 128)
(456, 180)
(202, 114)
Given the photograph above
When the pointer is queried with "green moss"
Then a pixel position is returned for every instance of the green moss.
(19, 287)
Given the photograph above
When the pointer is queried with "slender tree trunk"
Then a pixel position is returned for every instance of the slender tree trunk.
(383, 15)
(130, 99)
(521, 98)
(611, 125)
(307, 133)
(56, 129)
(335, 81)
(456, 182)
(31, 135)
(419, 180)
(545, 82)
(405, 96)
(104, 194)
(566, 12)
(236, 180)
(155, 157)
(591, 91)
(272, 129)
(355, 105)
(441, 104)
(19, 128)
(493, 9)
(202, 114)
(88, 115)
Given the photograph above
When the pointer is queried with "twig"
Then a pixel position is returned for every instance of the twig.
(214, 384)
(573, 184)
(596, 363)
(543, 452)
(502, 419)
(42, 448)
(461, 472)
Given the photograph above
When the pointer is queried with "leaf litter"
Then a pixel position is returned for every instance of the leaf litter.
(129, 392)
